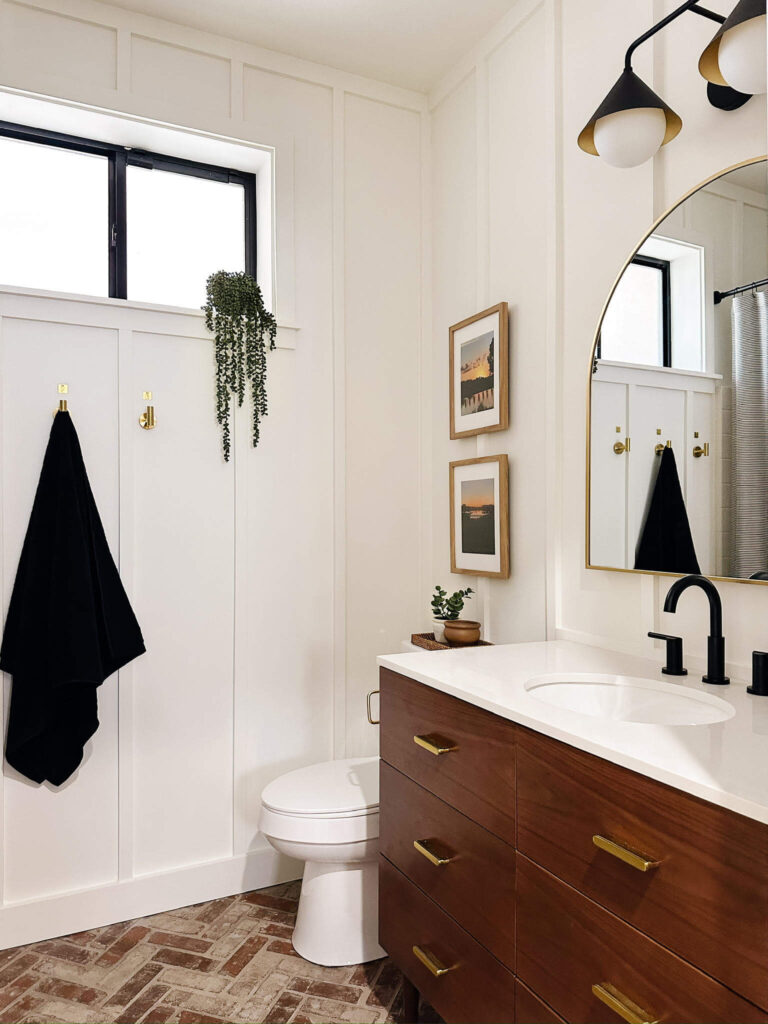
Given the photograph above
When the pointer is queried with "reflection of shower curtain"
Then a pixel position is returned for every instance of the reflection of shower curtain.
(749, 518)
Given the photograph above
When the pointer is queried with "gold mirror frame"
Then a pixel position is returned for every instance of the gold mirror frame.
(646, 236)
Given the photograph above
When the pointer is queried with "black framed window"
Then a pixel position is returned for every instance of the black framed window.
(637, 327)
(93, 217)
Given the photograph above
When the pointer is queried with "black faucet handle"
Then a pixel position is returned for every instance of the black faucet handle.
(674, 665)
(759, 674)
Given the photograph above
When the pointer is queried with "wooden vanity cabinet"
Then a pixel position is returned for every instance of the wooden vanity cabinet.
(476, 771)
(567, 944)
(528, 1007)
(473, 986)
(479, 888)
(706, 895)
(499, 906)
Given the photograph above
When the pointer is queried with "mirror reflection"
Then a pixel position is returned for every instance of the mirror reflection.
(678, 443)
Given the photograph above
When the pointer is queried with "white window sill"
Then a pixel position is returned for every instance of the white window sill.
(660, 369)
(12, 299)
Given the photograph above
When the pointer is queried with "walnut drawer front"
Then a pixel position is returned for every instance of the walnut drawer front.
(706, 898)
(468, 871)
(529, 1009)
(566, 944)
(475, 772)
(474, 986)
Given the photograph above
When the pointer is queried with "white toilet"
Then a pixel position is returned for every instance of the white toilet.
(328, 815)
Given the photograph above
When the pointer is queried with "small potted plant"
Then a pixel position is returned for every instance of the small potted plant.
(446, 609)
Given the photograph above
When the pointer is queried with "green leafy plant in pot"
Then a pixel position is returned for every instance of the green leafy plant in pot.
(447, 609)
(243, 330)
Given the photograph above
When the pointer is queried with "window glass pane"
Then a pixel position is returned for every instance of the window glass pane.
(53, 218)
(180, 230)
(632, 330)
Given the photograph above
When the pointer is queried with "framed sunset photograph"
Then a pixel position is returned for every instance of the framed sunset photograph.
(479, 495)
(479, 373)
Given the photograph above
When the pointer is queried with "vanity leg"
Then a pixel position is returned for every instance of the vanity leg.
(410, 1003)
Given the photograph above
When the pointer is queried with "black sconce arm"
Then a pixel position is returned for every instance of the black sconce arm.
(690, 5)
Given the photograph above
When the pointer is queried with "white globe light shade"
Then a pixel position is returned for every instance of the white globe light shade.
(627, 138)
(741, 56)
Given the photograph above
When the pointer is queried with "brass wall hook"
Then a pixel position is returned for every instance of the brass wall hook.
(147, 419)
(700, 450)
(660, 447)
(621, 447)
(62, 389)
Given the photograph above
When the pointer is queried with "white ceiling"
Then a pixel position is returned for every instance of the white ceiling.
(411, 43)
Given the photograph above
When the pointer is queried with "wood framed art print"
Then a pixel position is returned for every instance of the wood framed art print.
(480, 516)
(479, 373)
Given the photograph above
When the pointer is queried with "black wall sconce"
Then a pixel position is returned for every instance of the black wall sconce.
(633, 122)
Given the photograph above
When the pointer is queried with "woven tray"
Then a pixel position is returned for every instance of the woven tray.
(428, 642)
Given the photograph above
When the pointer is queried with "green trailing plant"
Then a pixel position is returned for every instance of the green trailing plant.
(243, 328)
(444, 607)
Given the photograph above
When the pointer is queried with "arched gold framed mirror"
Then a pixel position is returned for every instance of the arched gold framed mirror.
(677, 421)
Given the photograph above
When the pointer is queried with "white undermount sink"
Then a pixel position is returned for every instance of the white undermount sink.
(626, 699)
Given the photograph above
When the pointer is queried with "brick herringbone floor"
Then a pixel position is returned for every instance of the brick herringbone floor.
(229, 960)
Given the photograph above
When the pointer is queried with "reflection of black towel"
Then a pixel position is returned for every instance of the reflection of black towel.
(69, 623)
(665, 542)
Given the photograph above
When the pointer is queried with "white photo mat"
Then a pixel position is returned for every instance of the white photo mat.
(495, 469)
(469, 343)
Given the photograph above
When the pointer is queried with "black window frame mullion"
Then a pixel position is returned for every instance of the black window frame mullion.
(663, 266)
(118, 160)
(251, 247)
(118, 227)
(666, 303)
(179, 165)
(27, 133)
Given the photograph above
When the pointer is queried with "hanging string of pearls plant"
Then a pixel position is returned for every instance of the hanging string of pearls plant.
(243, 330)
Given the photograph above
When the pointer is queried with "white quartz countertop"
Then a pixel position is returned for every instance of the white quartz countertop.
(725, 763)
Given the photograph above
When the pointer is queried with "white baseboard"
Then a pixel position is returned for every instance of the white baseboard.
(33, 920)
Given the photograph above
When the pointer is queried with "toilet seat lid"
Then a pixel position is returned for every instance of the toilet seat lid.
(343, 787)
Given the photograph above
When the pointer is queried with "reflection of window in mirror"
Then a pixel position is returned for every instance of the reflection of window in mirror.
(655, 316)
(636, 328)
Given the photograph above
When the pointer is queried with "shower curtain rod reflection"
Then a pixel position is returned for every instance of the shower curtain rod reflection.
(719, 296)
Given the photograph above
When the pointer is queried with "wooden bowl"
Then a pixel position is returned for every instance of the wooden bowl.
(462, 632)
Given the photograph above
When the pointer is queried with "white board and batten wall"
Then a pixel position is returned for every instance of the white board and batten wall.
(605, 214)
(493, 241)
(506, 168)
(261, 634)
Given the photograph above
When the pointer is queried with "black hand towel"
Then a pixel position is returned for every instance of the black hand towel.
(666, 544)
(69, 623)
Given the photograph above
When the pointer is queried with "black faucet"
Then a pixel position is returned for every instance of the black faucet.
(715, 641)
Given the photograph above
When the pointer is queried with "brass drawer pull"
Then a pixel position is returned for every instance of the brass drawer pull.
(423, 846)
(435, 744)
(430, 961)
(622, 1005)
(635, 860)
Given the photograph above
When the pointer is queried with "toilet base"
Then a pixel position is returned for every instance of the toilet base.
(337, 923)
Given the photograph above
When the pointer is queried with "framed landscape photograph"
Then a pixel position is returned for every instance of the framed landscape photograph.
(479, 373)
(480, 516)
